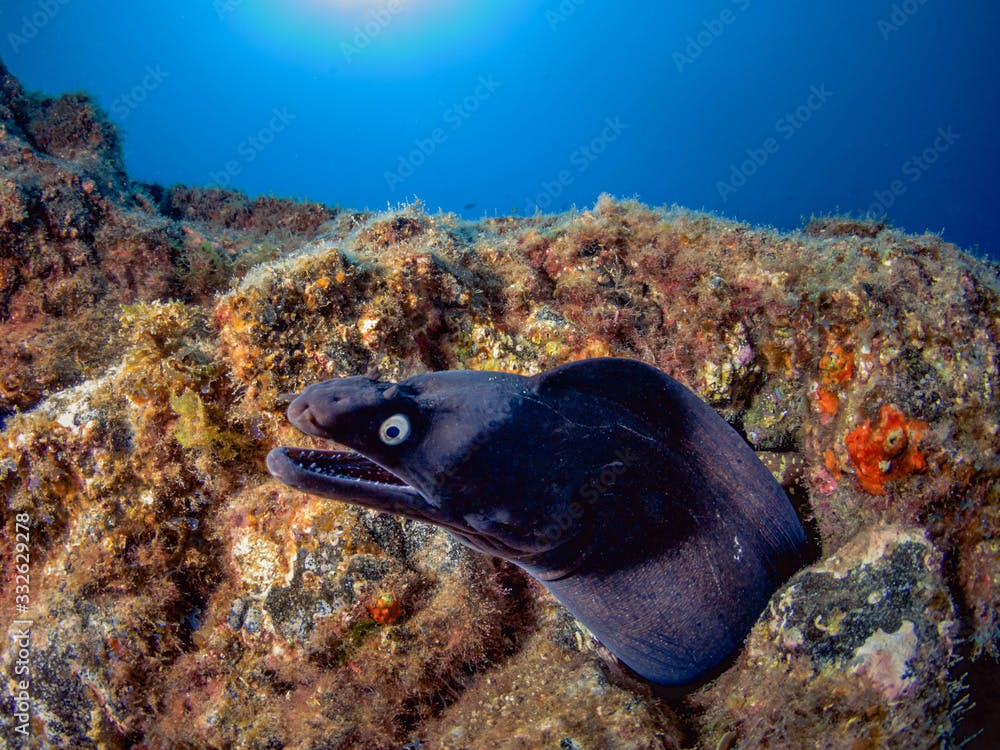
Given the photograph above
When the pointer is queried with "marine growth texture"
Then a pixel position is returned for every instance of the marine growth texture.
(181, 597)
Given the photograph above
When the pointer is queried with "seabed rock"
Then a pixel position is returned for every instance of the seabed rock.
(854, 651)
(178, 597)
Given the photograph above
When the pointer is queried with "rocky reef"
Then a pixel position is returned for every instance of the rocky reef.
(161, 591)
(78, 240)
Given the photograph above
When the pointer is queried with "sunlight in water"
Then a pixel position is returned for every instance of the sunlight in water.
(400, 37)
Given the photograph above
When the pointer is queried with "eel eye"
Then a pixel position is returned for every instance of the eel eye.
(395, 429)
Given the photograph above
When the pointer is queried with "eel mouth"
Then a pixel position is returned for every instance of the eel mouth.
(348, 476)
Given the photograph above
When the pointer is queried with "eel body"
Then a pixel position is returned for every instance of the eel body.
(614, 485)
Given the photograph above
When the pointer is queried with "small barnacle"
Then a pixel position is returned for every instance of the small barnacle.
(895, 442)
(888, 451)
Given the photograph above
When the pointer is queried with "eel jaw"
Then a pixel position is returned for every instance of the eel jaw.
(347, 476)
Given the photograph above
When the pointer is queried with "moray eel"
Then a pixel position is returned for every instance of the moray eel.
(628, 497)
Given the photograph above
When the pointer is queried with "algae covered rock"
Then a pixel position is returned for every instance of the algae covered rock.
(854, 650)
(78, 239)
(552, 694)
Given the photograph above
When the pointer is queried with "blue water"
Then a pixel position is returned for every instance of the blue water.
(760, 110)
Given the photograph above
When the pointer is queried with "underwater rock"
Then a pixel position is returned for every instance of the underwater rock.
(551, 695)
(855, 650)
(78, 240)
(180, 597)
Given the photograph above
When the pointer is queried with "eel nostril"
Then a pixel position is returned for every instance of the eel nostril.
(298, 411)
(311, 419)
